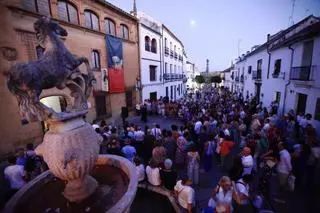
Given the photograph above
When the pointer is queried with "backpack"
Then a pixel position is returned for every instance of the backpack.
(30, 164)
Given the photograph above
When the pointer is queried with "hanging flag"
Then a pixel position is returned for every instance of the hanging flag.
(115, 64)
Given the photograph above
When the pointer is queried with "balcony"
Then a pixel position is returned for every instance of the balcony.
(256, 74)
(241, 78)
(180, 58)
(173, 76)
(279, 75)
(176, 55)
(304, 73)
(171, 53)
(237, 79)
(166, 51)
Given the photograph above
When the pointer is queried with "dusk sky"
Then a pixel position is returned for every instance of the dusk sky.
(213, 28)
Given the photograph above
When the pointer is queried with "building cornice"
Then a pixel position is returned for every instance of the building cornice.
(149, 28)
(76, 26)
(172, 34)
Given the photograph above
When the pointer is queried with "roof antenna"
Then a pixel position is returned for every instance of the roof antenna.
(291, 20)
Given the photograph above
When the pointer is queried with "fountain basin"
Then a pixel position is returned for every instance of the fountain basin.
(116, 191)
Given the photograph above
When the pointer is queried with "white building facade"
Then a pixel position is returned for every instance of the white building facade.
(150, 57)
(227, 80)
(286, 69)
(161, 60)
(190, 73)
(172, 62)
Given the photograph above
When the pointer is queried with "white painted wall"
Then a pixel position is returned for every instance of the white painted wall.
(174, 62)
(312, 90)
(249, 83)
(153, 88)
(179, 50)
(272, 84)
(149, 58)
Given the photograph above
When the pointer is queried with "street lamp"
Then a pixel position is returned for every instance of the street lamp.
(139, 87)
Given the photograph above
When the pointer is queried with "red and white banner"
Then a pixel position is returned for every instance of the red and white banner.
(116, 80)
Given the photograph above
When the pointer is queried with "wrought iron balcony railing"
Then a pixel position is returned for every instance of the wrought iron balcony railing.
(166, 51)
(304, 73)
(173, 76)
(256, 74)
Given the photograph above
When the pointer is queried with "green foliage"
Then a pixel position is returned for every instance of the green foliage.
(216, 79)
(199, 79)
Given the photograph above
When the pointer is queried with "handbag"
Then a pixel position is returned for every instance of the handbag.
(291, 182)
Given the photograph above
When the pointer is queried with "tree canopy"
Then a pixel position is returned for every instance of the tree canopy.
(199, 79)
(216, 79)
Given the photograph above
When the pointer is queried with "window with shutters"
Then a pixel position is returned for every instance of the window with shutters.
(38, 6)
(68, 12)
(124, 31)
(154, 45)
(147, 43)
(110, 27)
(91, 20)
(277, 67)
(166, 68)
(153, 73)
(95, 59)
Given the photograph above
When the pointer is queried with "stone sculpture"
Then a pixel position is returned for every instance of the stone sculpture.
(70, 147)
(56, 68)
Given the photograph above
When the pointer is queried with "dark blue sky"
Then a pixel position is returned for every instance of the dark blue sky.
(213, 28)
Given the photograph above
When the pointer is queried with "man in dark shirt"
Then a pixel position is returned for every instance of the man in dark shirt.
(168, 176)
(203, 137)
(148, 144)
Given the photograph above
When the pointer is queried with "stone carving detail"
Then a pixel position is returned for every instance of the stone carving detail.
(56, 68)
(9, 53)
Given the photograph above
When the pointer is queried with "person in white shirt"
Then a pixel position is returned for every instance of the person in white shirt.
(186, 195)
(284, 168)
(156, 132)
(226, 131)
(247, 161)
(140, 169)
(266, 126)
(16, 175)
(153, 173)
(197, 127)
(139, 135)
(223, 194)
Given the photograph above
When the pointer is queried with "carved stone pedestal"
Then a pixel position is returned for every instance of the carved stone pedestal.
(70, 148)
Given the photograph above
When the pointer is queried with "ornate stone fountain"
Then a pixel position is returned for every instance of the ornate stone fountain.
(89, 182)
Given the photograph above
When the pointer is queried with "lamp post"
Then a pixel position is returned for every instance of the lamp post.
(139, 87)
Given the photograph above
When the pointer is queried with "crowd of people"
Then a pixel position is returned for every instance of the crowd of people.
(218, 126)
(24, 166)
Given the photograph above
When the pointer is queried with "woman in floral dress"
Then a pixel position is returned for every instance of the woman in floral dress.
(181, 145)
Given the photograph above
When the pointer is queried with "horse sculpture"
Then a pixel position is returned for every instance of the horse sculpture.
(56, 68)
